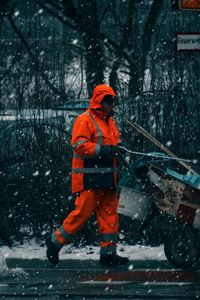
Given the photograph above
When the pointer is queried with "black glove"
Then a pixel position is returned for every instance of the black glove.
(108, 150)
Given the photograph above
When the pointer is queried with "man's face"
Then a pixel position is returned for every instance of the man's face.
(107, 105)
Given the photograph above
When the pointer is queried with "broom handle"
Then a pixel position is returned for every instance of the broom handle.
(157, 143)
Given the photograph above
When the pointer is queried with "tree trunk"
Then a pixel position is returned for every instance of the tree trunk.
(134, 86)
(95, 64)
(148, 31)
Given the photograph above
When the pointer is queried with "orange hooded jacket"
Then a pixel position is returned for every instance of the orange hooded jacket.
(91, 130)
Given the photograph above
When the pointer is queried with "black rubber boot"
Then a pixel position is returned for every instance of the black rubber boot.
(113, 260)
(52, 252)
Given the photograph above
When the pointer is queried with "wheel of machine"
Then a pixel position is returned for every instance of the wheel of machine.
(182, 248)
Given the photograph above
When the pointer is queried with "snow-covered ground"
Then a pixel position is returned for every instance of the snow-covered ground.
(32, 249)
(5, 271)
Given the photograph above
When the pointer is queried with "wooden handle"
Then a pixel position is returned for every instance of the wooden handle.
(162, 147)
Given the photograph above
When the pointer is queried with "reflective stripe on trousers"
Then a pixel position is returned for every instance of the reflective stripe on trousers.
(93, 170)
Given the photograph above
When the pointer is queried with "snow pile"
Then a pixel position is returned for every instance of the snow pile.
(33, 250)
(5, 272)
(134, 253)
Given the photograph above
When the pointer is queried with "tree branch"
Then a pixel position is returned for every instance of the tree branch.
(149, 28)
(72, 13)
(55, 14)
(104, 13)
(125, 32)
(61, 93)
(5, 9)
(15, 59)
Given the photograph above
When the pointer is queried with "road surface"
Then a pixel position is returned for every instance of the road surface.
(73, 279)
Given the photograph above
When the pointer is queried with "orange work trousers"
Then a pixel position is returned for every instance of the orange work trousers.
(102, 201)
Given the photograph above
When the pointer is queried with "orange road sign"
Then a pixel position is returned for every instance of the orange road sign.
(189, 4)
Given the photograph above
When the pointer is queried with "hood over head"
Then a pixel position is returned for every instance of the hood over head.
(98, 93)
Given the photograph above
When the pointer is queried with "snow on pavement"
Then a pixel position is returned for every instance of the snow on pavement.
(32, 250)
(6, 272)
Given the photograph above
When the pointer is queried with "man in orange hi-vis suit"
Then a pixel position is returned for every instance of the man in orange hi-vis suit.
(94, 177)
